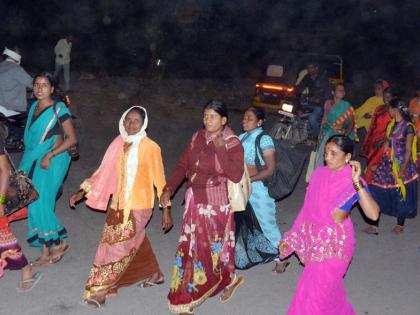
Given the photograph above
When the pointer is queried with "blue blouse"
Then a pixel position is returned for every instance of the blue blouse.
(355, 198)
(248, 141)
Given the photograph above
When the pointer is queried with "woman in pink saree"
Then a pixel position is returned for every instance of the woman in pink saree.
(323, 236)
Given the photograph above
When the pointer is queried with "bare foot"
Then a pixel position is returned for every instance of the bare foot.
(372, 230)
(280, 267)
(398, 229)
(113, 292)
(41, 261)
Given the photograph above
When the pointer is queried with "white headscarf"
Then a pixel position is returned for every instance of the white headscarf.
(132, 158)
(138, 136)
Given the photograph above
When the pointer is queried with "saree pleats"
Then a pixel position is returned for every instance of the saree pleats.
(44, 227)
(205, 255)
(265, 210)
(252, 246)
(321, 291)
(256, 231)
(124, 255)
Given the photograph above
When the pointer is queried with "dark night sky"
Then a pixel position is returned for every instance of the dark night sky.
(204, 38)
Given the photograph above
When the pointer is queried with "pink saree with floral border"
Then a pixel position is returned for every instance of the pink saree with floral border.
(323, 246)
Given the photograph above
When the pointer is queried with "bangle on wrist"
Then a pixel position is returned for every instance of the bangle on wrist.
(2, 199)
(358, 185)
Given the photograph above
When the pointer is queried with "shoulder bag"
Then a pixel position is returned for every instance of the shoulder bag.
(21, 191)
(289, 164)
(239, 193)
(74, 150)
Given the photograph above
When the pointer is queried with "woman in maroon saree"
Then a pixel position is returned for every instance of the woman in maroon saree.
(204, 261)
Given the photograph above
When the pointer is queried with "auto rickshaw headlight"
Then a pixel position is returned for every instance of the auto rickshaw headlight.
(287, 107)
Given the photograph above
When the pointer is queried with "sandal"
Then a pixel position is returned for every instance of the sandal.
(93, 304)
(373, 230)
(234, 284)
(62, 249)
(148, 283)
(280, 267)
(28, 284)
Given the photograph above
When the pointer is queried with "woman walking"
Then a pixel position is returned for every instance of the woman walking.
(46, 161)
(130, 170)
(338, 119)
(322, 235)
(364, 112)
(257, 233)
(373, 145)
(204, 261)
(394, 184)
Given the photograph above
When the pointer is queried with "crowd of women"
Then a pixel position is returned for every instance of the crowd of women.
(214, 241)
(391, 151)
(389, 146)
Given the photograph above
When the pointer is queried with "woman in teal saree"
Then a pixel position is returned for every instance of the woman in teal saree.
(339, 119)
(46, 161)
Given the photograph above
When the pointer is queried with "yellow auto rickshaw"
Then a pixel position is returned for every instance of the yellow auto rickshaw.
(277, 89)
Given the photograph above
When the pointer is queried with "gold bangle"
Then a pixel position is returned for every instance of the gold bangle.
(2, 199)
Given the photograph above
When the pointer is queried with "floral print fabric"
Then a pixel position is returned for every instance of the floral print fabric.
(205, 256)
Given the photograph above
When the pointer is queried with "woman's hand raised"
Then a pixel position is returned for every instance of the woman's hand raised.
(219, 141)
(356, 170)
